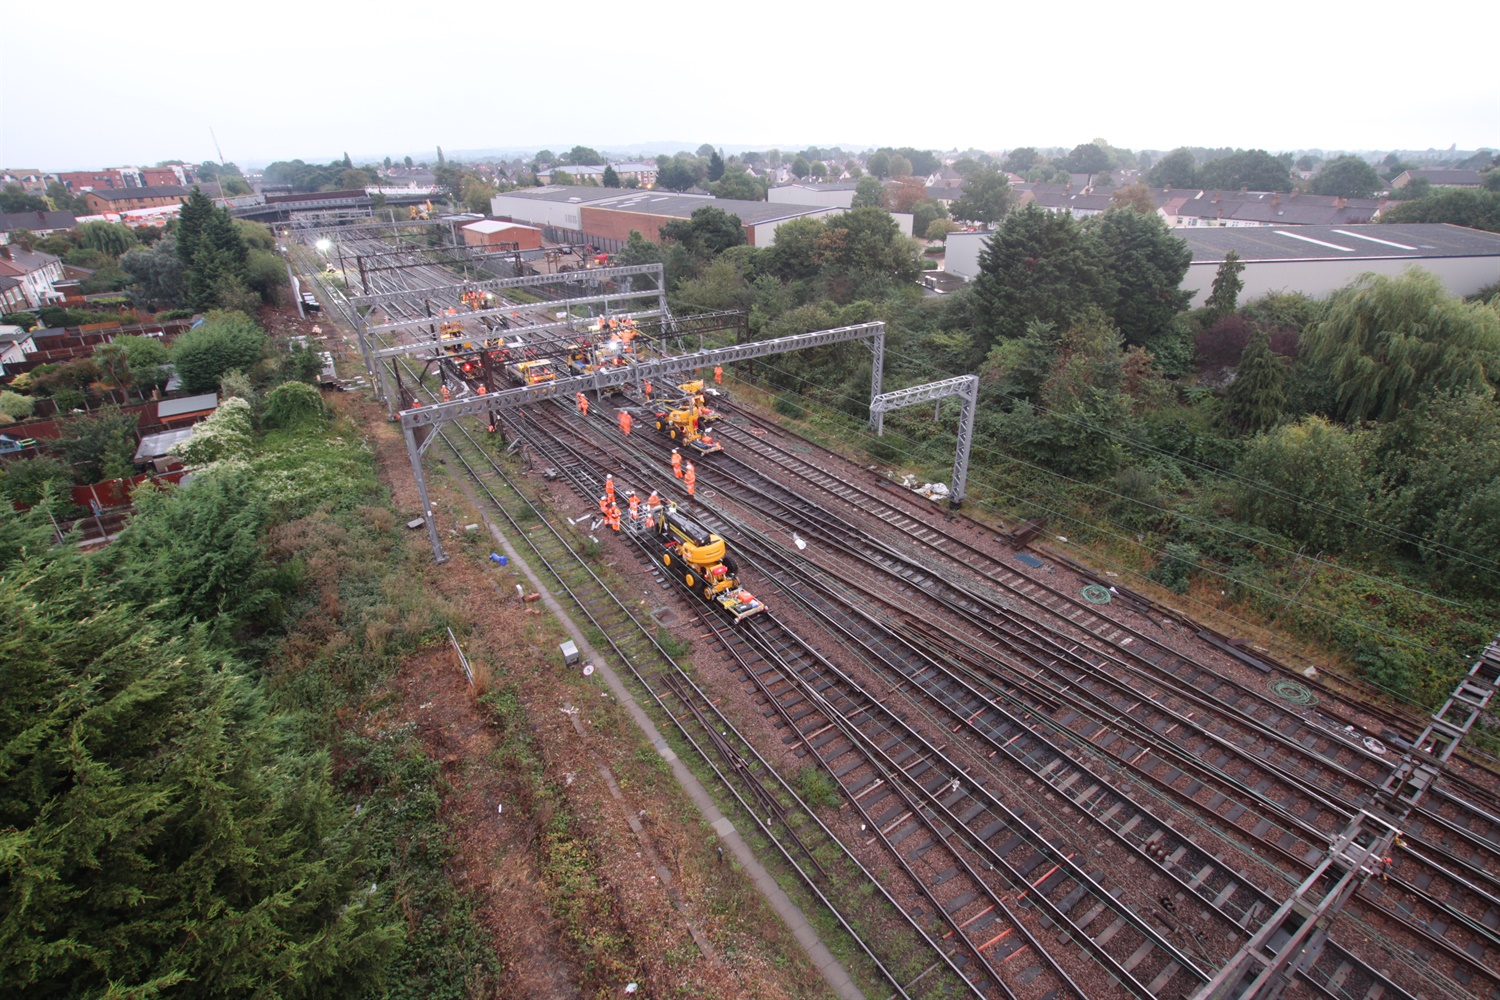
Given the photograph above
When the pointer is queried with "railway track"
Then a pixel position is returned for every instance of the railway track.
(1131, 739)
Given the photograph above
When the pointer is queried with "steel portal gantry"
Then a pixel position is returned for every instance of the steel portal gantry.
(419, 424)
(413, 296)
(966, 387)
(420, 299)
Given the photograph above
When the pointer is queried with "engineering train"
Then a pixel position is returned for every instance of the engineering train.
(701, 558)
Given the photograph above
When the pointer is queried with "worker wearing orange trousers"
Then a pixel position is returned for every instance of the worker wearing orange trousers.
(635, 505)
(718, 374)
(653, 502)
(612, 517)
(583, 404)
(676, 463)
(609, 487)
(690, 478)
(647, 387)
(603, 505)
(625, 422)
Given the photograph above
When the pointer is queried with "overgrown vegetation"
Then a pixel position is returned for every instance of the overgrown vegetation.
(171, 820)
(1327, 466)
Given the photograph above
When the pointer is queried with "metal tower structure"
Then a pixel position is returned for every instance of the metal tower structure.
(966, 387)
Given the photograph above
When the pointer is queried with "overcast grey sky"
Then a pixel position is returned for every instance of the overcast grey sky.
(279, 80)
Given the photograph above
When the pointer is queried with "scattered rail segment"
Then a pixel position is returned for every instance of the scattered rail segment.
(989, 730)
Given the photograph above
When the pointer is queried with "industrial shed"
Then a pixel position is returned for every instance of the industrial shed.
(1313, 260)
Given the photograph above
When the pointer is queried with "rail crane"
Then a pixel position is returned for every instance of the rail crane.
(700, 557)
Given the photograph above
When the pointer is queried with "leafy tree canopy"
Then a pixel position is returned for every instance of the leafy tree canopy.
(1177, 169)
(15, 199)
(986, 197)
(1387, 342)
(583, 156)
(869, 193)
(740, 185)
(1038, 266)
(1456, 206)
(1256, 398)
(225, 340)
(1254, 169)
(1018, 161)
(1347, 177)
(709, 232)
(1087, 158)
(1146, 264)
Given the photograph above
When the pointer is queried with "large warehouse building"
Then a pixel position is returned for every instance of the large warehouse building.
(605, 216)
(1313, 260)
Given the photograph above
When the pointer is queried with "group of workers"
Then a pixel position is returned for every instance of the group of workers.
(609, 508)
(686, 473)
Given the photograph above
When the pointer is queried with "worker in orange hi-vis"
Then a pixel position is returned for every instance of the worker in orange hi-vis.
(625, 422)
(603, 505)
(481, 390)
(676, 463)
(635, 504)
(690, 478)
(612, 517)
(583, 404)
(444, 393)
(609, 487)
(653, 502)
(647, 387)
(718, 374)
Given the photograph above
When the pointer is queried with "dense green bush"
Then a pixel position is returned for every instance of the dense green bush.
(223, 341)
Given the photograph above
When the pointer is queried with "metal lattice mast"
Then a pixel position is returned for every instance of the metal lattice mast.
(966, 387)
(1293, 937)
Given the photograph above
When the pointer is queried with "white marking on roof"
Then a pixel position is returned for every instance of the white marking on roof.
(1398, 246)
(1309, 239)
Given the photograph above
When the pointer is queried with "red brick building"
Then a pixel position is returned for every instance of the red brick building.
(78, 181)
(126, 199)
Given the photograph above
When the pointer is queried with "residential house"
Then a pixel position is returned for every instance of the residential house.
(30, 180)
(79, 181)
(1232, 209)
(38, 223)
(120, 200)
(15, 344)
(644, 174)
(36, 271)
(171, 175)
(1438, 178)
(12, 295)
